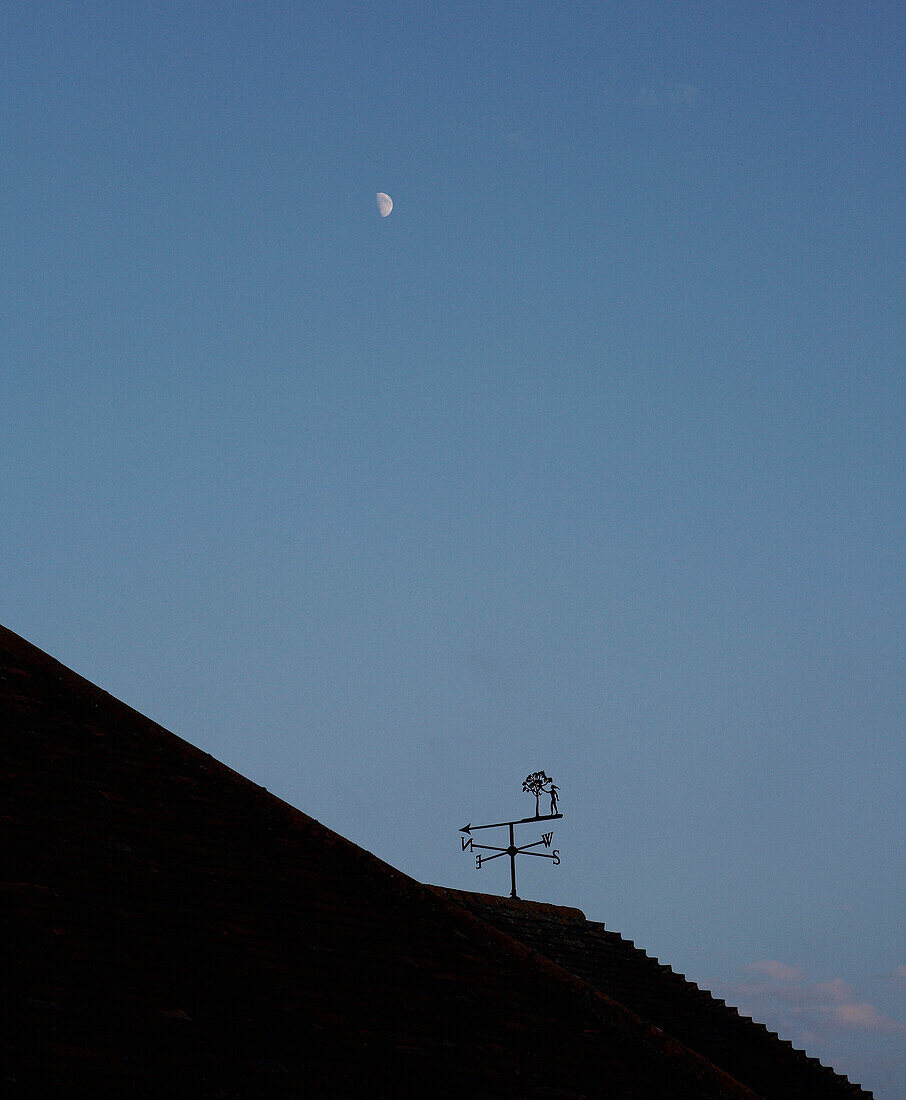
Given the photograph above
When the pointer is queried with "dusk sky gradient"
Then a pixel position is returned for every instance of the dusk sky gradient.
(589, 458)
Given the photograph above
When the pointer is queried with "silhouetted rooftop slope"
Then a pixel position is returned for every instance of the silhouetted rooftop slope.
(171, 929)
(746, 1050)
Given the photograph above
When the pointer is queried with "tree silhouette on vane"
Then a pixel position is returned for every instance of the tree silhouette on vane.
(534, 784)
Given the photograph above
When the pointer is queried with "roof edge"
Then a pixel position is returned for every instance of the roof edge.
(601, 1005)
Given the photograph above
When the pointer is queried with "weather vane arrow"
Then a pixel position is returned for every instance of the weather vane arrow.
(536, 784)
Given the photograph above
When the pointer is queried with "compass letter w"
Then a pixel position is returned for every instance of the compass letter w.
(547, 838)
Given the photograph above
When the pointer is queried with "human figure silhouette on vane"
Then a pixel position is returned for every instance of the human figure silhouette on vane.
(554, 798)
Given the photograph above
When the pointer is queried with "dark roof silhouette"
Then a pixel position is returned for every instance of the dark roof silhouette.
(170, 928)
(768, 1065)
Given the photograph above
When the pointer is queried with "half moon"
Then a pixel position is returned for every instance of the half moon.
(384, 204)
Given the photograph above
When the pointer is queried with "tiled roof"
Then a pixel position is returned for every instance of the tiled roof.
(770, 1066)
(171, 929)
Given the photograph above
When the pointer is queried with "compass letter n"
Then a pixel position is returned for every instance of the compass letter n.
(466, 843)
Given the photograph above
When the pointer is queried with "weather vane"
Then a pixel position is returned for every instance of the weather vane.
(536, 784)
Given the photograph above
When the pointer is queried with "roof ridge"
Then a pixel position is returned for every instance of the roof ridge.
(729, 1012)
(545, 926)
(267, 801)
(650, 1033)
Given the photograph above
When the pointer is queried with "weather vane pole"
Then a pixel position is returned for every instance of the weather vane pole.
(537, 784)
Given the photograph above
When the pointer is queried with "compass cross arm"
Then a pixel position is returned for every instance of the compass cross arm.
(525, 847)
(487, 859)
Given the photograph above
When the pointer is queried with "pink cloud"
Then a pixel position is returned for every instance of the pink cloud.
(773, 969)
(834, 990)
(856, 1015)
(807, 1008)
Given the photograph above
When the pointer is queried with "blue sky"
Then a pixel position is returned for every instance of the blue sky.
(588, 458)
